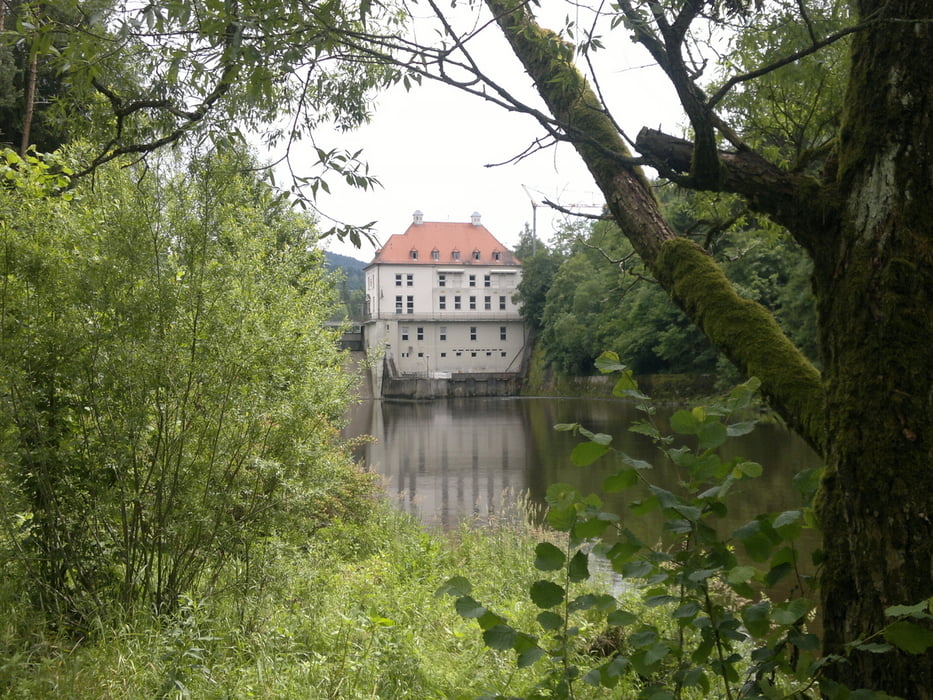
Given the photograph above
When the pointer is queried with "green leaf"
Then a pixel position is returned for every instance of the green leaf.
(788, 524)
(918, 611)
(685, 423)
(757, 618)
(637, 569)
(640, 508)
(789, 612)
(737, 429)
(644, 428)
(740, 574)
(687, 610)
(909, 636)
(711, 435)
(586, 453)
(546, 594)
(489, 619)
(468, 607)
(643, 638)
(592, 527)
(621, 480)
(751, 470)
(457, 585)
(548, 557)
(529, 656)
(579, 567)
(550, 620)
(500, 637)
(608, 362)
(620, 618)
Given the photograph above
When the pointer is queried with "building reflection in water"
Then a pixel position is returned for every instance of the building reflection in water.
(446, 459)
(454, 458)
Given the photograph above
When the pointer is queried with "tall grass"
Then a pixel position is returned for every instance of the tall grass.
(353, 614)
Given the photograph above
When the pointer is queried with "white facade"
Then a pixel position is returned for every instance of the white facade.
(439, 301)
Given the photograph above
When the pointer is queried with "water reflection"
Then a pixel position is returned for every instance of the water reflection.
(451, 458)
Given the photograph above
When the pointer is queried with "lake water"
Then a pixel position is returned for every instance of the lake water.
(453, 458)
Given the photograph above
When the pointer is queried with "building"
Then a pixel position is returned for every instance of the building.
(439, 302)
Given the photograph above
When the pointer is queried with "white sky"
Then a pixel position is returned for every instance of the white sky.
(430, 147)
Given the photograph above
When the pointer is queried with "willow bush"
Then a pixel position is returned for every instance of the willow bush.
(169, 392)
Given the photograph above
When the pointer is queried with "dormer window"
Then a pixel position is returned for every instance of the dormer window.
(496, 255)
(414, 254)
(456, 255)
(435, 254)
(476, 255)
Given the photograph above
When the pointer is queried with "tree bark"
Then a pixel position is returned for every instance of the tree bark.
(868, 230)
(876, 331)
(743, 330)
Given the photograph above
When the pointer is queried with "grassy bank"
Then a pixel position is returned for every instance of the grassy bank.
(352, 615)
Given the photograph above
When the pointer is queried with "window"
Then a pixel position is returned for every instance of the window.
(456, 255)
(472, 332)
(420, 354)
(398, 305)
(398, 280)
(472, 280)
(443, 332)
(404, 332)
(476, 255)
(443, 354)
(435, 254)
(502, 353)
(411, 305)
(488, 354)
(472, 303)
(409, 280)
(441, 280)
(487, 303)
(457, 302)
(502, 333)
(472, 354)
(459, 354)
(420, 333)
(442, 303)
(414, 254)
(487, 280)
(496, 255)
(501, 303)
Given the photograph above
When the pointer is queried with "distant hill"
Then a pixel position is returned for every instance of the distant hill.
(350, 286)
(343, 261)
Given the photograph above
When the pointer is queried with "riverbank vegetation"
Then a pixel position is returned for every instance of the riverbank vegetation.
(566, 286)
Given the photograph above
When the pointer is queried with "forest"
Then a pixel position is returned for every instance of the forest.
(178, 516)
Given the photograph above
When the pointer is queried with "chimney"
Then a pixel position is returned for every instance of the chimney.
(474, 219)
(417, 217)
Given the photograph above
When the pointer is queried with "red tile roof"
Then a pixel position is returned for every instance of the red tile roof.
(446, 238)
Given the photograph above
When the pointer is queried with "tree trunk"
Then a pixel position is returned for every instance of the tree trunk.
(875, 299)
(29, 99)
(868, 229)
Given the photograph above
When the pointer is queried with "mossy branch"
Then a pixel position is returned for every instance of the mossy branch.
(746, 333)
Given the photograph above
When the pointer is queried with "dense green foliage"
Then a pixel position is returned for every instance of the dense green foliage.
(699, 613)
(598, 295)
(130, 79)
(169, 392)
(353, 614)
(349, 280)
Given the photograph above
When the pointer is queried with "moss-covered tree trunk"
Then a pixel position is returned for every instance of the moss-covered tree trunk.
(868, 228)
(875, 292)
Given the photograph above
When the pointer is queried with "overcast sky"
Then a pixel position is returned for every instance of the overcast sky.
(430, 147)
